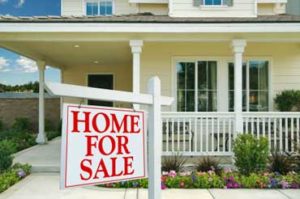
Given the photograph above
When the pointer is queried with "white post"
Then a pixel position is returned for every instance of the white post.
(238, 49)
(136, 49)
(155, 140)
(41, 138)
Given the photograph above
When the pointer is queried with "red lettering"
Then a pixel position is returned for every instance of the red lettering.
(117, 125)
(86, 169)
(106, 123)
(89, 145)
(135, 123)
(85, 120)
(114, 168)
(122, 144)
(101, 168)
(112, 142)
(127, 165)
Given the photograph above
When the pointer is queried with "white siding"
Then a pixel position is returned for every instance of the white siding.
(77, 7)
(72, 7)
(185, 8)
(157, 9)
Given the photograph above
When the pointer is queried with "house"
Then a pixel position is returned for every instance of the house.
(223, 61)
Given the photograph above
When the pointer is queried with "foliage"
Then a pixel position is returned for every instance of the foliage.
(175, 163)
(227, 179)
(251, 153)
(29, 87)
(53, 134)
(288, 100)
(7, 148)
(280, 163)
(13, 175)
(22, 139)
(207, 164)
(22, 124)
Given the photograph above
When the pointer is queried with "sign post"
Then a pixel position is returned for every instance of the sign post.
(112, 143)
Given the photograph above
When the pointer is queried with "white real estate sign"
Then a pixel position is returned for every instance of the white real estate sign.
(102, 145)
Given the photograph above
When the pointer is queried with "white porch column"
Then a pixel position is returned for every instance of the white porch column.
(41, 138)
(238, 47)
(136, 49)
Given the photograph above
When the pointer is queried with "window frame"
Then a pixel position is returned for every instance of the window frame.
(98, 2)
(195, 60)
(247, 60)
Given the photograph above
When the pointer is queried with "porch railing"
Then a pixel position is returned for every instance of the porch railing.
(281, 128)
(193, 134)
(197, 133)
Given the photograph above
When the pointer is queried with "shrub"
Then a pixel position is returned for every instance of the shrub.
(251, 153)
(288, 100)
(13, 175)
(7, 148)
(22, 139)
(280, 163)
(52, 134)
(22, 124)
(208, 164)
(174, 163)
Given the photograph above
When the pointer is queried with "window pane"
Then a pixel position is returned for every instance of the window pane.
(231, 86)
(213, 2)
(185, 86)
(91, 8)
(202, 75)
(202, 101)
(259, 100)
(105, 7)
(212, 75)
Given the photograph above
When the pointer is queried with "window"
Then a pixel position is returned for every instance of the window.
(100, 7)
(196, 86)
(255, 86)
(213, 2)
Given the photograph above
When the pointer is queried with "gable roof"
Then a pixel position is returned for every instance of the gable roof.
(147, 18)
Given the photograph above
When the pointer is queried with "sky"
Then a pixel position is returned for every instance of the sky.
(16, 69)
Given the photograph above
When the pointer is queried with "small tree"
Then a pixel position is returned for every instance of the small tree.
(251, 153)
(288, 100)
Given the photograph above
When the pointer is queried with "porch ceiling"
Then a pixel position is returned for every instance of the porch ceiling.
(70, 54)
(58, 49)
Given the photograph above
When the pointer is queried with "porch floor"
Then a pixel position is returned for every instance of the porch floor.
(42, 158)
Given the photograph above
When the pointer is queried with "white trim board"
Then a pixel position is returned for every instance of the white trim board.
(151, 27)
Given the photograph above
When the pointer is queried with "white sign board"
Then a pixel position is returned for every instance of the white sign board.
(102, 145)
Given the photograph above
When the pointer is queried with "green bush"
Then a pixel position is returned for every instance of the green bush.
(22, 139)
(52, 134)
(208, 164)
(13, 175)
(288, 100)
(22, 124)
(7, 148)
(173, 163)
(251, 153)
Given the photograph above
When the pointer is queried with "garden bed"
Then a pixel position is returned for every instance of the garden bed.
(13, 175)
(227, 180)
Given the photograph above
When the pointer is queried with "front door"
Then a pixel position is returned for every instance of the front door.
(104, 81)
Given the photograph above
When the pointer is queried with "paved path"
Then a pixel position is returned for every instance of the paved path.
(42, 158)
(46, 186)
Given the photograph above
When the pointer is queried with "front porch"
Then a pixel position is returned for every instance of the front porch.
(212, 105)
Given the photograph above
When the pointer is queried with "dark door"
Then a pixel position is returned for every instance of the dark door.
(101, 81)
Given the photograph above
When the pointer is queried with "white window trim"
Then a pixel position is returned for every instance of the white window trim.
(84, 6)
(221, 62)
